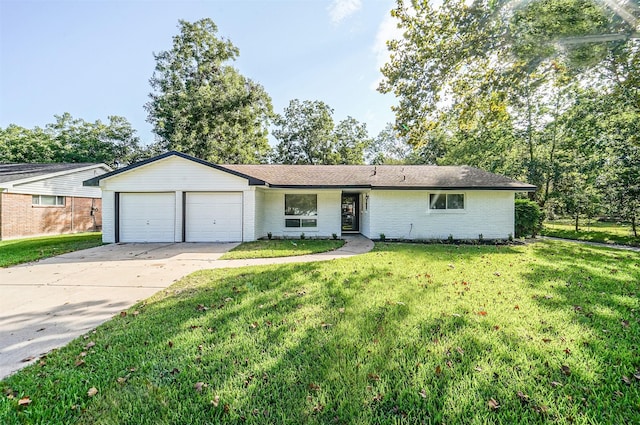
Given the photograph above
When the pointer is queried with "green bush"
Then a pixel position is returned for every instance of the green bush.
(528, 218)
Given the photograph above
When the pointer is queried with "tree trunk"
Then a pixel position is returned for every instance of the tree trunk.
(577, 218)
(532, 169)
(551, 172)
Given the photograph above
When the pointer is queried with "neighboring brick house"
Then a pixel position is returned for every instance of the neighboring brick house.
(47, 199)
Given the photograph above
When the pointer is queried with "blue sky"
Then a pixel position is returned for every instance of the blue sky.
(94, 58)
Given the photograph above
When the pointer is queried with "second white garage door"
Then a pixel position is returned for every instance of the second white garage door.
(213, 217)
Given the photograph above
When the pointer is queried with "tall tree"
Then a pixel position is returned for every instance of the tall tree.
(351, 139)
(481, 48)
(388, 147)
(494, 77)
(19, 144)
(203, 106)
(72, 140)
(621, 175)
(113, 143)
(306, 134)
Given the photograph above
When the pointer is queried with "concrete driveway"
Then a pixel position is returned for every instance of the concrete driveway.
(46, 304)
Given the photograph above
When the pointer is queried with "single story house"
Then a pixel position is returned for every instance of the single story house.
(174, 197)
(47, 199)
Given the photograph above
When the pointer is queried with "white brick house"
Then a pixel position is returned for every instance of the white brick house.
(178, 198)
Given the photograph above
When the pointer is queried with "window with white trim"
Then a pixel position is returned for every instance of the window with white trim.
(300, 210)
(449, 201)
(47, 200)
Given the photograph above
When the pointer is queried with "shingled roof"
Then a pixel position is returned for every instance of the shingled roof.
(14, 172)
(431, 177)
(379, 177)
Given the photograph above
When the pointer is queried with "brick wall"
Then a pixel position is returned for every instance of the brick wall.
(19, 218)
(406, 214)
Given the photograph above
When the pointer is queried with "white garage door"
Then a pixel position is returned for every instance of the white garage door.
(147, 217)
(213, 217)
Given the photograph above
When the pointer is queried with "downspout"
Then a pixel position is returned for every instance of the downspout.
(72, 212)
(93, 214)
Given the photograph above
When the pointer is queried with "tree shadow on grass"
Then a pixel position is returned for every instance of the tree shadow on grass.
(593, 235)
(594, 291)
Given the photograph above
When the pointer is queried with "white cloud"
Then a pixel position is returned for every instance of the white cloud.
(387, 30)
(342, 9)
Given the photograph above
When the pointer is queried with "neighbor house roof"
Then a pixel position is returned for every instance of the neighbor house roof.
(12, 173)
(352, 176)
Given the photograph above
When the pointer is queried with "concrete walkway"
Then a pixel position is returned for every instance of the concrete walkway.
(46, 304)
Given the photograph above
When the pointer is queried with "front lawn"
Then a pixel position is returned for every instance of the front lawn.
(281, 248)
(593, 231)
(541, 333)
(19, 251)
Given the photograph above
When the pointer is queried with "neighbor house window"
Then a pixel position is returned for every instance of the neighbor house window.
(300, 210)
(47, 200)
(440, 201)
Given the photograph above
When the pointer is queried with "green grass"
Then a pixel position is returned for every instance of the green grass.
(592, 231)
(281, 248)
(404, 334)
(19, 251)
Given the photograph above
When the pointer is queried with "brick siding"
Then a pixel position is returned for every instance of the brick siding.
(19, 218)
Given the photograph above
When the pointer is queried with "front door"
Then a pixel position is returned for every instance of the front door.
(350, 210)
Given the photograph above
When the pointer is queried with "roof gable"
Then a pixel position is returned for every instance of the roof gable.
(96, 180)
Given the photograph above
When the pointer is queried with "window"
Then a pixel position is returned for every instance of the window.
(300, 210)
(47, 200)
(438, 202)
(300, 204)
(301, 222)
(454, 201)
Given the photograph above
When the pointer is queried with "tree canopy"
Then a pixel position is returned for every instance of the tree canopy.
(306, 134)
(545, 91)
(201, 105)
(74, 140)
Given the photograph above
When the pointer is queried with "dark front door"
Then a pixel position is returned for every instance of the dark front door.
(350, 209)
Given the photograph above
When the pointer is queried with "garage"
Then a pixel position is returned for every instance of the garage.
(177, 198)
(147, 217)
(213, 216)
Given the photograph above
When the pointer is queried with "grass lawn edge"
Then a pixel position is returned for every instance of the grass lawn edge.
(276, 248)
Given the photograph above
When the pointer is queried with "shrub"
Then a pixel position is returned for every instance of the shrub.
(334, 236)
(269, 235)
(302, 236)
(528, 218)
(382, 237)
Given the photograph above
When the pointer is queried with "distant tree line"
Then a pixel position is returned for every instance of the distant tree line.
(71, 139)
